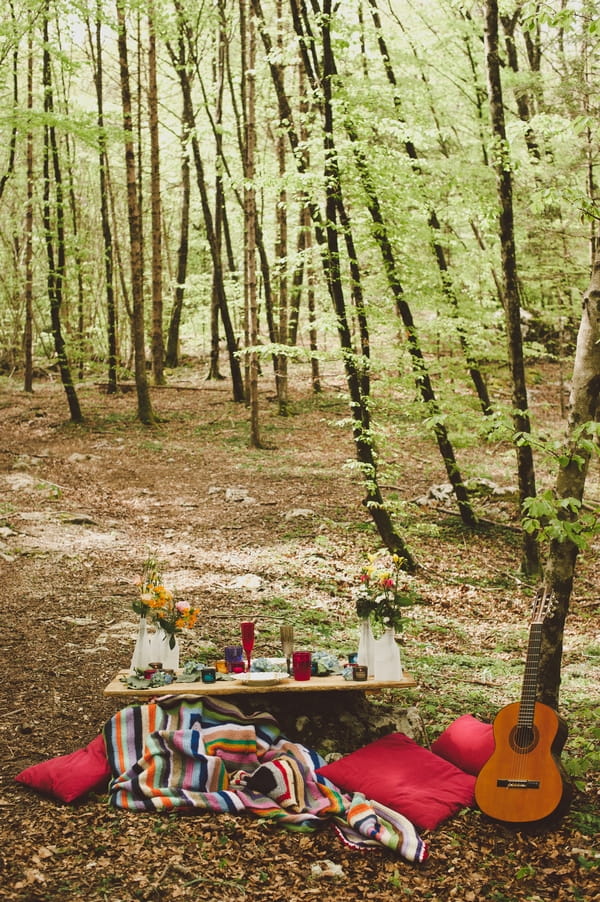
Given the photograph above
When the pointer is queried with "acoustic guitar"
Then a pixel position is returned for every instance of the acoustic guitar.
(523, 781)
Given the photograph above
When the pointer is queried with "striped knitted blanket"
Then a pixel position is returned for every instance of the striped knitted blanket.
(183, 753)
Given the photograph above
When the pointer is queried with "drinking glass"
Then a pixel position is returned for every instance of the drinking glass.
(301, 665)
(287, 644)
(233, 658)
(247, 627)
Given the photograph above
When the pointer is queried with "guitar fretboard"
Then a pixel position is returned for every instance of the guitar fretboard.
(529, 690)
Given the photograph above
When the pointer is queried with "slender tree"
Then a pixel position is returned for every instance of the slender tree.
(77, 251)
(12, 141)
(522, 99)
(265, 271)
(28, 286)
(310, 299)
(54, 227)
(158, 351)
(145, 411)
(281, 246)
(172, 355)
(220, 214)
(510, 282)
(248, 62)
(189, 118)
(326, 232)
(381, 235)
(304, 271)
(95, 42)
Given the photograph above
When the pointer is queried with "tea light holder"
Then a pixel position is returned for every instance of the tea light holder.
(152, 668)
(360, 673)
(233, 655)
(302, 665)
(208, 674)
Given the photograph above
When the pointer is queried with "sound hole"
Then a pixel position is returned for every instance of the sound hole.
(523, 739)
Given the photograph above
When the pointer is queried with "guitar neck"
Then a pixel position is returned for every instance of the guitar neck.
(532, 665)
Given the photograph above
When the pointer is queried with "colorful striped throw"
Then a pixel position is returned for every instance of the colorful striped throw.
(183, 753)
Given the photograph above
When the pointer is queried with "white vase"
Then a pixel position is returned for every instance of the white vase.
(141, 652)
(365, 646)
(387, 665)
(161, 651)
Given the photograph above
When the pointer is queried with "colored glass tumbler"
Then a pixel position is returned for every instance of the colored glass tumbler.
(301, 665)
(234, 656)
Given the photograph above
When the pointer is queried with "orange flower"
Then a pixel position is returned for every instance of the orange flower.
(158, 602)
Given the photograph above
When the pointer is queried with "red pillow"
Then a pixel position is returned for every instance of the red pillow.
(467, 742)
(406, 777)
(69, 777)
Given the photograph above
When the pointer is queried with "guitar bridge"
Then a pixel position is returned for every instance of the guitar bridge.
(518, 784)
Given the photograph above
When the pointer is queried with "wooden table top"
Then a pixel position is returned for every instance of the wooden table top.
(333, 683)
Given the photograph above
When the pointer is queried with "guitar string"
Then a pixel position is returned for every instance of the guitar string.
(526, 719)
(525, 736)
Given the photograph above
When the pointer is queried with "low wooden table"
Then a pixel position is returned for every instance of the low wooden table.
(334, 683)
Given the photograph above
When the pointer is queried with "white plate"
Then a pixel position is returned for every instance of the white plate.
(260, 678)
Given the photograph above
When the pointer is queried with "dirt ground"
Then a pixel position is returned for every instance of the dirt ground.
(82, 506)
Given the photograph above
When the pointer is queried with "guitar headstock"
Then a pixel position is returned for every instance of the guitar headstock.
(544, 605)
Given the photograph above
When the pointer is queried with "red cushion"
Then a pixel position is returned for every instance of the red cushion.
(467, 742)
(69, 777)
(406, 777)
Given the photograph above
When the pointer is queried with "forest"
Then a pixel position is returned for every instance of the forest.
(268, 185)
(360, 234)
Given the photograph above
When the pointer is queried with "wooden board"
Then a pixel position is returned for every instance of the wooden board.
(117, 688)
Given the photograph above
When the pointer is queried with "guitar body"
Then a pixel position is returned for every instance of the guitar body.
(523, 780)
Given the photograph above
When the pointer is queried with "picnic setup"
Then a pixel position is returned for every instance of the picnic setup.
(184, 743)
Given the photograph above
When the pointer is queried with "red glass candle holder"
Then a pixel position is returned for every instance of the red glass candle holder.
(301, 665)
(233, 656)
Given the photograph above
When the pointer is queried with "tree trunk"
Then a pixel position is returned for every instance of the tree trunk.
(570, 484)
(107, 241)
(158, 351)
(382, 238)
(511, 295)
(281, 250)
(248, 52)
(190, 123)
(12, 142)
(306, 265)
(326, 231)
(509, 24)
(145, 412)
(419, 364)
(172, 358)
(213, 369)
(297, 278)
(310, 299)
(28, 288)
(54, 230)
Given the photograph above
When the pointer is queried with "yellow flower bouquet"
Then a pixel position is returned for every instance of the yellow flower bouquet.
(158, 604)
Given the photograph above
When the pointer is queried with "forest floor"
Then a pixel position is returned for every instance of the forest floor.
(268, 535)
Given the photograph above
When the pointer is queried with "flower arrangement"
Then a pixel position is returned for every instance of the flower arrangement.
(158, 603)
(384, 591)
